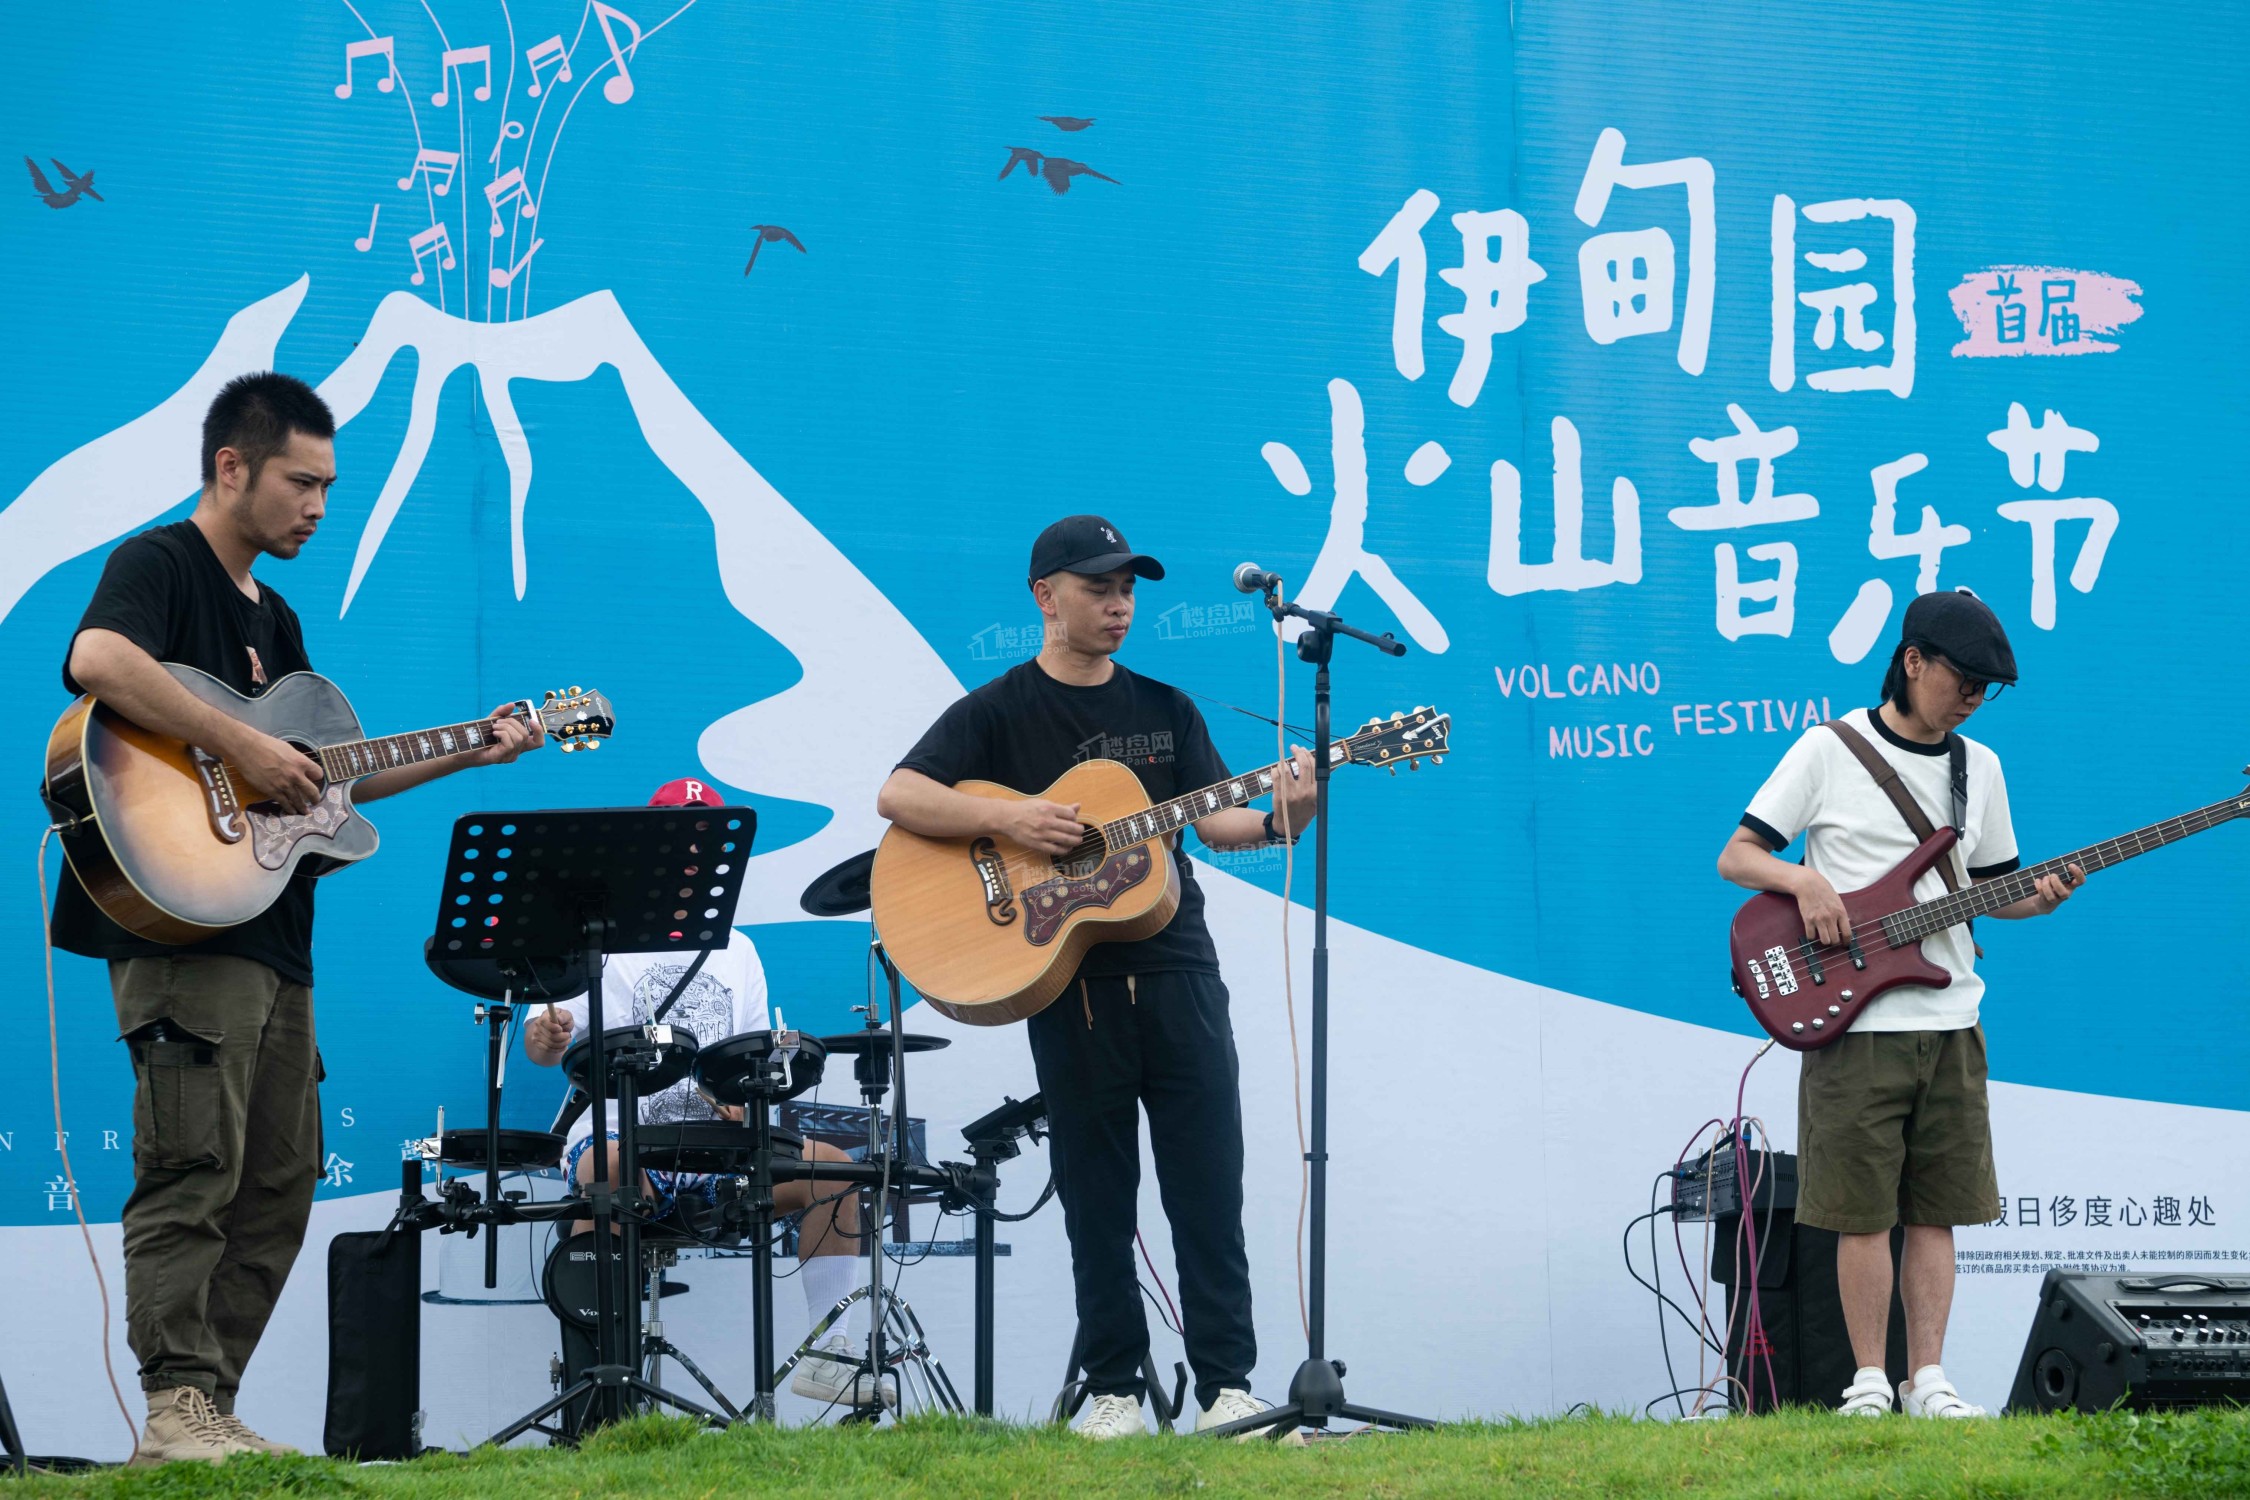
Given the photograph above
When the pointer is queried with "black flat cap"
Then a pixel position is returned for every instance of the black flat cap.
(1963, 629)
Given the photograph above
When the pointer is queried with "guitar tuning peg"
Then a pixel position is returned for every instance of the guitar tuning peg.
(575, 690)
(1437, 760)
(1392, 769)
(550, 695)
(1414, 765)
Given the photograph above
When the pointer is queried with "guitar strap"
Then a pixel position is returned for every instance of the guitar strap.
(1886, 776)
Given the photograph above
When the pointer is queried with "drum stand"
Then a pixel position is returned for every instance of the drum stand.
(894, 1334)
(615, 1382)
(654, 1345)
(912, 1367)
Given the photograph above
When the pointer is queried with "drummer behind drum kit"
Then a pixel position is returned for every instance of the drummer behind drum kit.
(612, 1357)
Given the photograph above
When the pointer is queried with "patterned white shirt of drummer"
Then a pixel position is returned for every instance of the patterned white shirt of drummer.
(726, 997)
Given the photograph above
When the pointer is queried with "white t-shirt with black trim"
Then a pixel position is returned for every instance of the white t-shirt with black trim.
(1854, 836)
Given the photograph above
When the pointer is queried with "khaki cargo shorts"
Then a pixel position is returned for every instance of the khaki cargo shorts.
(1893, 1125)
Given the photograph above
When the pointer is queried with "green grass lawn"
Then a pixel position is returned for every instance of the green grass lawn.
(2197, 1454)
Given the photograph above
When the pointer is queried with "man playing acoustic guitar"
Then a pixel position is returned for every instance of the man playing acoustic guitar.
(1892, 1118)
(227, 1140)
(1141, 1024)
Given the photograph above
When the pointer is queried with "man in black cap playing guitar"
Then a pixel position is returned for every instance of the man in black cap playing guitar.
(1142, 1024)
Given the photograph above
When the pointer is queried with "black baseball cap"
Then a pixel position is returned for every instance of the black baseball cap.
(1963, 629)
(1087, 544)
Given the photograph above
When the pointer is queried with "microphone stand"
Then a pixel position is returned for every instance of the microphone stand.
(1316, 1392)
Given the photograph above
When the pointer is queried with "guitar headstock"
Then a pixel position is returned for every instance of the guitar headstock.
(1407, 738)
(577, 718)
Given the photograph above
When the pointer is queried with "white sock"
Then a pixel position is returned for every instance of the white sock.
(827, 1279)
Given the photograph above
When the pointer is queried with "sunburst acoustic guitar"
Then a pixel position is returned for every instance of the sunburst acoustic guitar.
(990, 931)
(169, 841)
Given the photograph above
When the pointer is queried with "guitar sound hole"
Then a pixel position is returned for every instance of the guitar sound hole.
(1080, 862)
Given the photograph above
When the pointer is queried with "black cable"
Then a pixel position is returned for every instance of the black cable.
(988, 1211)
(1676, 1398)
(1631, 1271)
(1656, 1273)
(1162, 1315)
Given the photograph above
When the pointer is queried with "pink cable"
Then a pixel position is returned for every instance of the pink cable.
(1755, 1332)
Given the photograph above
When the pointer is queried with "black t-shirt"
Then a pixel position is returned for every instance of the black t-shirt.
(1024, 729)
(167, 592)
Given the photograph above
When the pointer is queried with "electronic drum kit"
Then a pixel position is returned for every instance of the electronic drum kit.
(754, 1071)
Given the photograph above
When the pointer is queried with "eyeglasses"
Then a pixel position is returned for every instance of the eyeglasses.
(1973, 687)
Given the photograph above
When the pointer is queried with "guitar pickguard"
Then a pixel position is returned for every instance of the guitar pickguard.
(1052, 902)
(274, 835)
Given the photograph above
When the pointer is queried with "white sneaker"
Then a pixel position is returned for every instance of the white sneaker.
(1112, 1417)
(835, 1371)
(1869, 1395)
(1930, 1394)
(1232, 1404)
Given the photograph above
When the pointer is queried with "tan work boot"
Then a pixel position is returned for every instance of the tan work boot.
(239, 1433)
(183, 1425)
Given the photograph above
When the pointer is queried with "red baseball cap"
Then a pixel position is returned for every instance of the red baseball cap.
(686, 792)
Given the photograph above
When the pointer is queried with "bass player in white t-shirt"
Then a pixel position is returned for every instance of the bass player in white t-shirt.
(1892, 1118)
(725, 997)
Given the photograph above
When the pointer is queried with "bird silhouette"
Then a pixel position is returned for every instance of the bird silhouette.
(1030, 158)
(74, 186)
(767, 234)
(1059, 170)
(1066, 122)
(77, 184)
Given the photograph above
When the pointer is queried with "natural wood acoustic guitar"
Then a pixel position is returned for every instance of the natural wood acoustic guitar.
(171, 843)
(990, 932)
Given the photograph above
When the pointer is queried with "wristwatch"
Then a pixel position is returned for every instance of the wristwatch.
(1273, 834)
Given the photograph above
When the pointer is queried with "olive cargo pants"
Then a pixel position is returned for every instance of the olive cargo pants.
(227, 1149)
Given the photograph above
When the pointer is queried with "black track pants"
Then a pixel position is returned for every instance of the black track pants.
(1106, 1049)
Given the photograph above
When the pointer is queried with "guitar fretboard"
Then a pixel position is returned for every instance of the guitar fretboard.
(1917, 922)
(354, 759)
(1171, 816)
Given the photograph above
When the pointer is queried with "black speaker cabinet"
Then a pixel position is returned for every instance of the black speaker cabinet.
(2168, 1339)
(1807, 1351)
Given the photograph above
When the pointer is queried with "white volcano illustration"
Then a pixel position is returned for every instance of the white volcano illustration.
(870, 682)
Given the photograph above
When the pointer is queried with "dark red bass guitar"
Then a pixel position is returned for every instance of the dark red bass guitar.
(1806, 994)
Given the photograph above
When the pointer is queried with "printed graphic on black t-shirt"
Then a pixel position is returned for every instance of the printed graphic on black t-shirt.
(167, 592)
(1024, 729)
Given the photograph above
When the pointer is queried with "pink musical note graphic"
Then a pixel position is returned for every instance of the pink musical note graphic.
(509, 130)
(502, 275)
(620, 88)
(373, 47)
(433, 162)
(366, 241)
(434, 241)
(449, 72)
(552, 47)
(507, 188)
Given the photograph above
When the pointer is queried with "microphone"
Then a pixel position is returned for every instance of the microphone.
(1252, 579)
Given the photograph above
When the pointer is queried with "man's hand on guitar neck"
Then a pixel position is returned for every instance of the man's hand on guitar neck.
(2048, 892)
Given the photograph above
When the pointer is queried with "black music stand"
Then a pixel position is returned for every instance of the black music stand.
(589, 882)
(1316, 1392)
